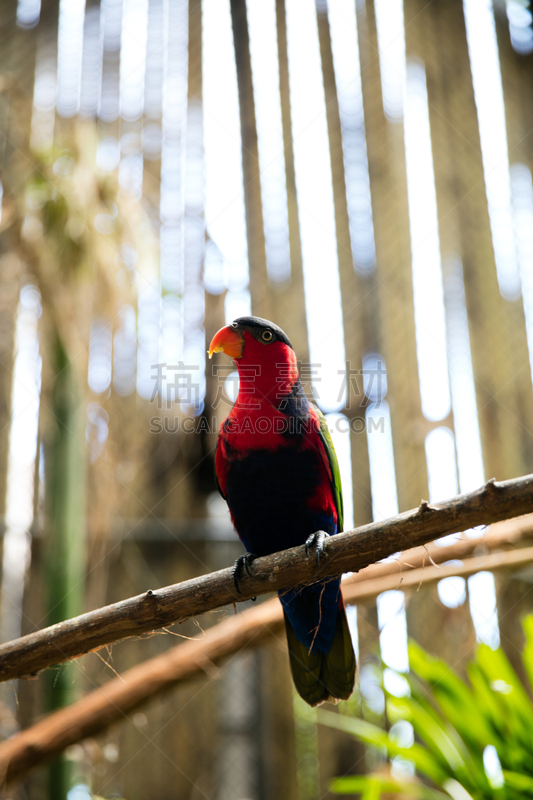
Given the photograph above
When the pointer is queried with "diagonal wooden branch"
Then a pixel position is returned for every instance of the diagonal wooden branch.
(345, 552)
(413, 578)
(113, 702)
(497, 537)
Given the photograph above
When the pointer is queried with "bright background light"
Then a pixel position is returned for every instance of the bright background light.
(425, 250)
(315, 201)
(486, 76)
(224, 201)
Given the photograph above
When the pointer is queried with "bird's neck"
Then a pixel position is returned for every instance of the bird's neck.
(267, 375)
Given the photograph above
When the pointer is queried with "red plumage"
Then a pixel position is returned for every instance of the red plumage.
(276, 471)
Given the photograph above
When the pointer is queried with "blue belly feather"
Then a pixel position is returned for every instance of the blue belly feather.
(267, 493)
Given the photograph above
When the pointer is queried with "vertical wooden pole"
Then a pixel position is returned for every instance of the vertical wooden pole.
(250, 159)
(358, 295)
(289, 301)
(514, 595)
(517, 82)
(388, 184)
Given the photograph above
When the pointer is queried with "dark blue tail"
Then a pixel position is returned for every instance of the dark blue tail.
(320, 646)
(312, 613)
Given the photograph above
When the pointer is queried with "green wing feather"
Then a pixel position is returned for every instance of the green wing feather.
(325, 677)
(336, 487)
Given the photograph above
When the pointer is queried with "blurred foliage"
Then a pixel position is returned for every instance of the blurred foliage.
(75, 229)
(467, 740)
(72, 226)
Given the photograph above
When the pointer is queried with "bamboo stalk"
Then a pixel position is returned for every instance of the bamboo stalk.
(65, 544)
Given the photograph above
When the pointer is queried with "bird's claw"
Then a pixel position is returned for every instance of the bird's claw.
(244, 562)
(316, 540)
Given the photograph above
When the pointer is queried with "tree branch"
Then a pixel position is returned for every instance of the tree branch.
(345, 552)
(499, 536)
(365, 590)
(113, 702)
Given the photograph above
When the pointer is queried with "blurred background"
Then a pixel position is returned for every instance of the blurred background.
(357, 171)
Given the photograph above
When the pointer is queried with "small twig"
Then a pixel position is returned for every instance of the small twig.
(108, 664)
(319, 617)
(179, 635)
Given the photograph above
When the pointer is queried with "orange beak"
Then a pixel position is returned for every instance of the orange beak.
(228, 341)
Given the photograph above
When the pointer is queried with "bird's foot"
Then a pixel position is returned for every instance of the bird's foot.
(316, 540)
(243, 564)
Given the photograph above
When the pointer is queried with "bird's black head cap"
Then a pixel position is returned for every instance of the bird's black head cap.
(256, 326)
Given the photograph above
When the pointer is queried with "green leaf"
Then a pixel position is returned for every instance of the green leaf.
(372, 790)
(451, 693)
(527, 654)
(518, 781)
(454, 721)
(359, 783)
(514, 701)
(444, 742)
(456, 790)
(435, 737)
(460, 715)
(375, 736)
(488, 702)
(496, 666)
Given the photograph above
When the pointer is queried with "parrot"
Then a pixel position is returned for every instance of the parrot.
(276, 467)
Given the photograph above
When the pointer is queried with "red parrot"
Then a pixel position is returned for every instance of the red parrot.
(276, 467)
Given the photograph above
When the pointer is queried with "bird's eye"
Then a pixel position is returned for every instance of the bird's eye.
(266, 336)
(233, 325)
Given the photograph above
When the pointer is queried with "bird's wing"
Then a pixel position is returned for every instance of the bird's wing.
(336, 488)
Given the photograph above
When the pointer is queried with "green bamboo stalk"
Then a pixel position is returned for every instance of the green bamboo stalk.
(65, 552)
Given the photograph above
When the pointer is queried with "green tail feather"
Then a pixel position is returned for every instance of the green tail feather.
(321, 678)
